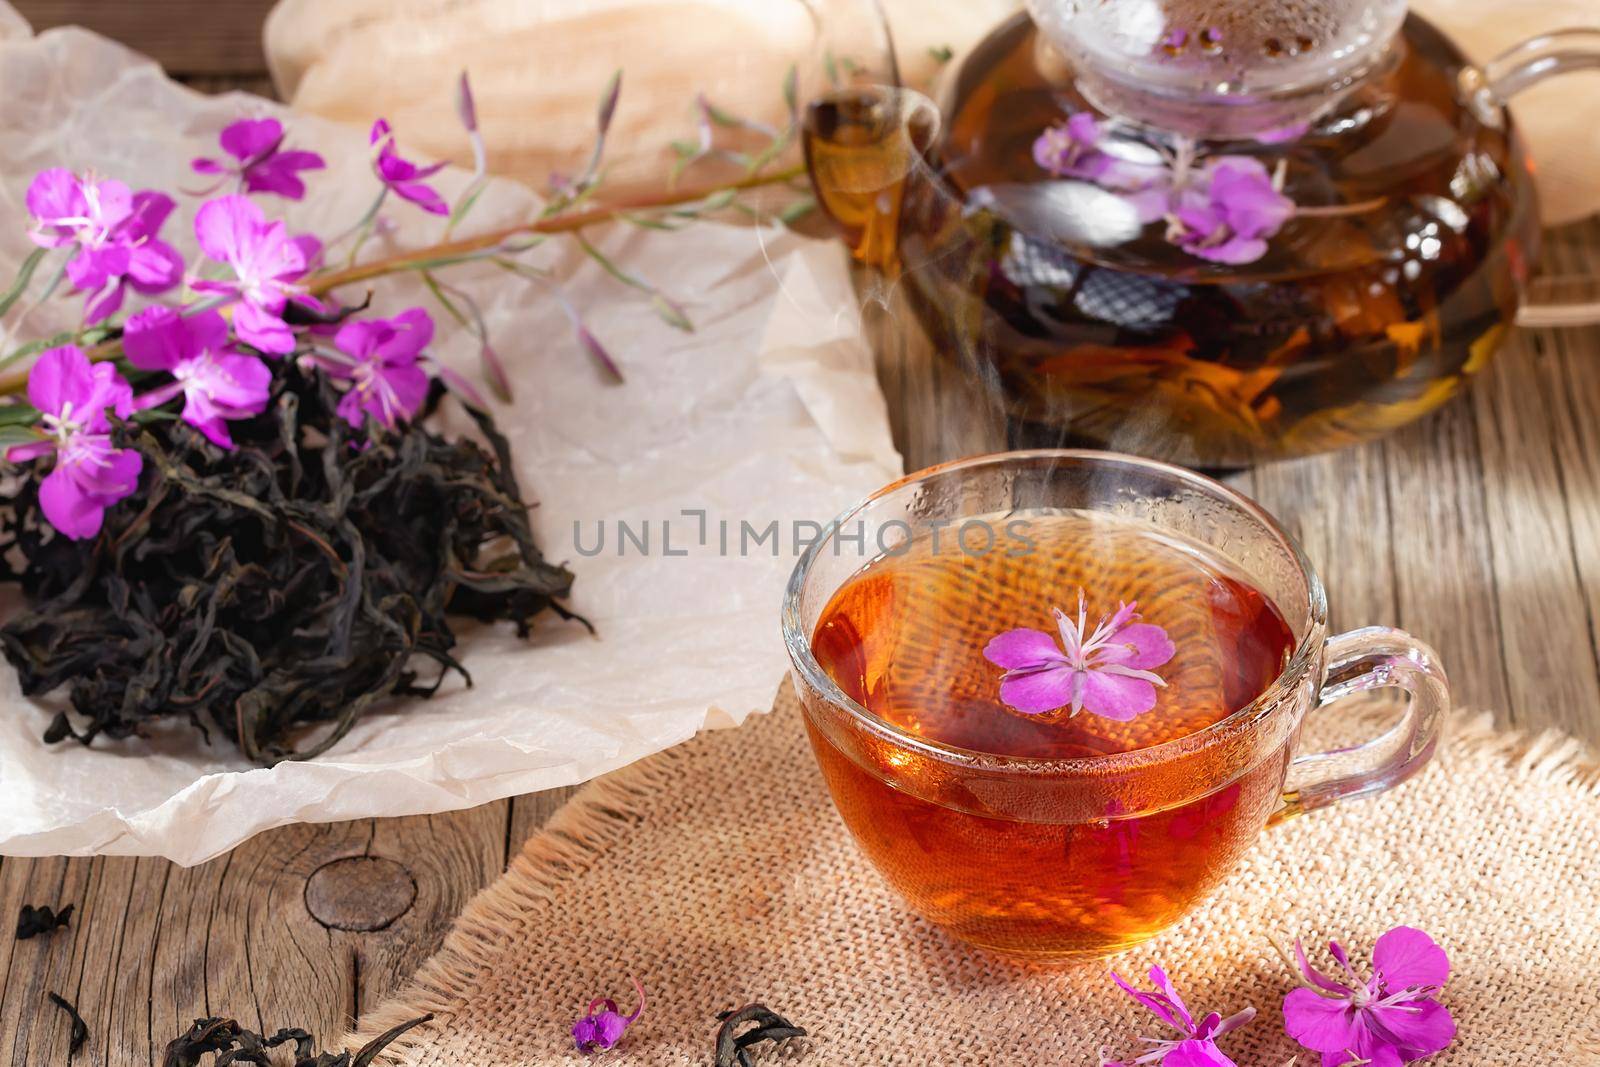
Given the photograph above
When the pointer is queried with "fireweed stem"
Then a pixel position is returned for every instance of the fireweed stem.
(478, 246)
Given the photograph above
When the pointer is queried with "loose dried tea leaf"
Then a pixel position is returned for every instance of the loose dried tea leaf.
(278, 590)
(231, 1043)
(80, 1029)
(41, 920)
(733, 1046)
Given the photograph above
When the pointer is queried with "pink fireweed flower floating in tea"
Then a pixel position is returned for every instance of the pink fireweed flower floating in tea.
(217, 383)
(603, 1026)
(1107, 673)
(403, 177)
(90, 475)
(267, 263)
(1080, 149)
(1223, 209)
(387, 379)
(1387, 1020)
(260, 161)
(116, 231)
(1227, 213)
(1197, 1044)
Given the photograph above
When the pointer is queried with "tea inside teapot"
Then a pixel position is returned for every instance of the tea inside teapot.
(1214, 233)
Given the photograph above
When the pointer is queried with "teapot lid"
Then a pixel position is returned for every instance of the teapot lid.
(1219, 68)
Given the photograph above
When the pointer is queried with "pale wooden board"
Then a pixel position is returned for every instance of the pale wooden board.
(1478, 529)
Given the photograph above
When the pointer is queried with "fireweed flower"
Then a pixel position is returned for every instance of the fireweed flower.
(116, 231)
(603, 1026)
(217, 383)
(260, 161)
(1072, 149)
(1387, 1020)
(267, 263)
(1197, 1044)
(387, 379)
(1227, 213)
(1079, 148)
(90, 475)
(1108, 672)
(403, 177)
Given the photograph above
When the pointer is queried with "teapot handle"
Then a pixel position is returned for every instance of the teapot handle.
(1551, 300)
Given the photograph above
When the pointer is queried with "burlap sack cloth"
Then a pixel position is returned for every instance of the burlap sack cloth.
(717, 873)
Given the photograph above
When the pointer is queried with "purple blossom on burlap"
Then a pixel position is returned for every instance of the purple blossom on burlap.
(116, 231)
(603, 1025)
(388, 381)
(73, 395)
(1197, 1044)
(260, 161)
(267, 265)
(217, 383)
(1107, 672)
(404, 178)
(1387, 1020)
(1228, 211)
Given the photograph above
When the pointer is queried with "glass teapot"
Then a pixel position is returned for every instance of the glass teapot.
(1214, 232)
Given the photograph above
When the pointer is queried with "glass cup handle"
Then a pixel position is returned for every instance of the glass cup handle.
(1564, 300)
(1375, 657)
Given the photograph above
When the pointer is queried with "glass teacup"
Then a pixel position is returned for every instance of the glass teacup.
(1123, 826)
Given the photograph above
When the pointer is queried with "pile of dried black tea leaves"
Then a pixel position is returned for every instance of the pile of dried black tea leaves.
(273, 594)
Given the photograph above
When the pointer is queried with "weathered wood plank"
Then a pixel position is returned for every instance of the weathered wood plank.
(187, 37)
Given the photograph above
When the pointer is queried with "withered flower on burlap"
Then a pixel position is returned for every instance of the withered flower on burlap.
(603, 1025)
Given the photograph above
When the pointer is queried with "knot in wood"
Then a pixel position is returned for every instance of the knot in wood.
(359, 893)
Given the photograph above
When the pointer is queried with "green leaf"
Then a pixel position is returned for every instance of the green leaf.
(154, 415)
(24, 276)
(444, 301)
(941, 53)
(18, 415)
(791, 91)
(797, 210)
(611, 268)
(723, 118)
(715, 202)
(466, 203)
(33, 348)
(17, 435)
(671, 314)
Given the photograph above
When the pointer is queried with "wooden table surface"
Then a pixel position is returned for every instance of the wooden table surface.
(1478, 529)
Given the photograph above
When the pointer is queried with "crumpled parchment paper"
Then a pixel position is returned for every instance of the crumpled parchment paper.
(768, 412)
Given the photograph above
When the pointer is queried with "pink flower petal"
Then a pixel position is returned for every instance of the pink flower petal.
(1416, 1028)
(1022, 649)
(55, 193)
(1139, 646)
(60, 375)
(1196, 1054)
(1159, 979)
(113, 477)
(1407, 958)
(155, 338)
(1038, 691)
(68, 508)
(261, 329)
(1173, 1014)
(250, 137)
(1322, 1024)
(1113, 696)
(226, 228)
